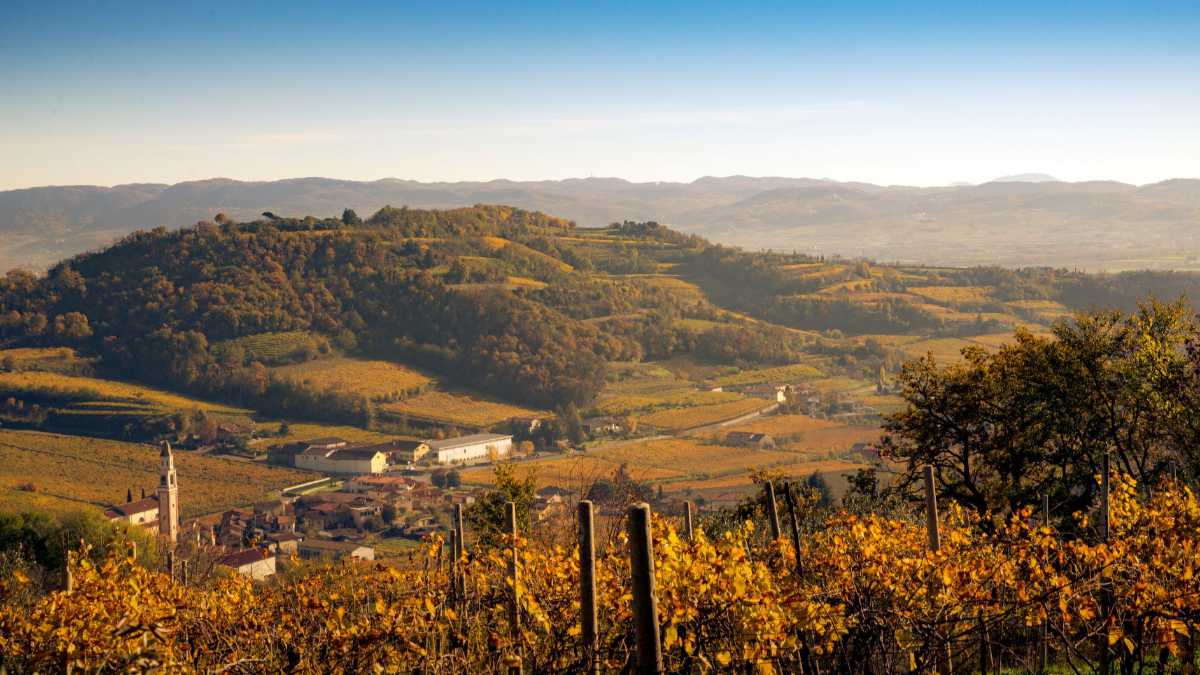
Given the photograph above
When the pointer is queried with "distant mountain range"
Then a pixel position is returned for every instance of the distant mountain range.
(1028, 219)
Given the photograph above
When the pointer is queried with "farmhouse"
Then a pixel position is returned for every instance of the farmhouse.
(596, 426)
(335, 550)
(285, 455)
(747, 439)
(471, 449)
(772, 392)
(380, 484)
(254, 563)
(346, 461)
(286, 543)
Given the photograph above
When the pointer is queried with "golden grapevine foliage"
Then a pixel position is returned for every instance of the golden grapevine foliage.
(865, 591)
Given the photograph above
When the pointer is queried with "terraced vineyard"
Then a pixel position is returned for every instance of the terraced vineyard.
(271, 348)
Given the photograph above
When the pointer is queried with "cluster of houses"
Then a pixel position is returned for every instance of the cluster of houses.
(808, 401)
(337, 457)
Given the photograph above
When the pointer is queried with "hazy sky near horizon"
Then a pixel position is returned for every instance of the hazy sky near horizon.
(886, 92)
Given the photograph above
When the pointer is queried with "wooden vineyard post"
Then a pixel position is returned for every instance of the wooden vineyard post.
(1104, 513)
(1105, 595)
(514, 611)
(645, 604)
(985, 660)
(453, 563)
(687, 521)
(1044, 642)
(931, 513)
(935, 543)
(772, 510)
(458, 529)
(459, 581)
(170, 564)
(68, 573)
(588, 616)
(790, 500)
(183, 571)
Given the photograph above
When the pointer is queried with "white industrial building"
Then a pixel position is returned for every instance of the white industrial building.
(471, 449)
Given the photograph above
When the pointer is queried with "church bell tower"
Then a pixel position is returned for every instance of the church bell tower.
(168, 496)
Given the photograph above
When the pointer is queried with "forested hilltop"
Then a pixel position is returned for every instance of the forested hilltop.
(520, 304)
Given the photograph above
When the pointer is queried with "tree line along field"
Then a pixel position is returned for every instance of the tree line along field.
(66, 473)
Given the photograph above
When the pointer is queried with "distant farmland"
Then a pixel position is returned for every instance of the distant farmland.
(61, 473)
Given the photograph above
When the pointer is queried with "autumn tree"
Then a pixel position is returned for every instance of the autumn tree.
(1037, 416)
(487, 516)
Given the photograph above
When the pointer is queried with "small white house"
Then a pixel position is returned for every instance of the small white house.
(472, 449)
(254, 563)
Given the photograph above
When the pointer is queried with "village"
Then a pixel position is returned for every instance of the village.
(390, 493)
(371, 492)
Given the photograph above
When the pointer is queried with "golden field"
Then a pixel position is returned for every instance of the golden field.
(838, 384)
(832, 441)
(38, 358)
(676, 463)
(687, 418)
(942, 349)
(301, 431)
(70, 472)
(573, 472)
(692, 457)
(373, 379)
(112, 390)
(460, 408)
(730, 489)
(777, 375)
(953, 294)
(781, 426)
(640, 395)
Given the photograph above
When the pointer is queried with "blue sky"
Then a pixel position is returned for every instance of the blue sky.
(886, 92)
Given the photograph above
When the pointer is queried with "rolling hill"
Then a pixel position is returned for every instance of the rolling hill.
(1096, 225)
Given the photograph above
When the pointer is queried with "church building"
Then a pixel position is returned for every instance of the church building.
(159, 513)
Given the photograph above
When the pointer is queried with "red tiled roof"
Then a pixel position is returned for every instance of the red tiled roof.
(240, 558)
(140, 506)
